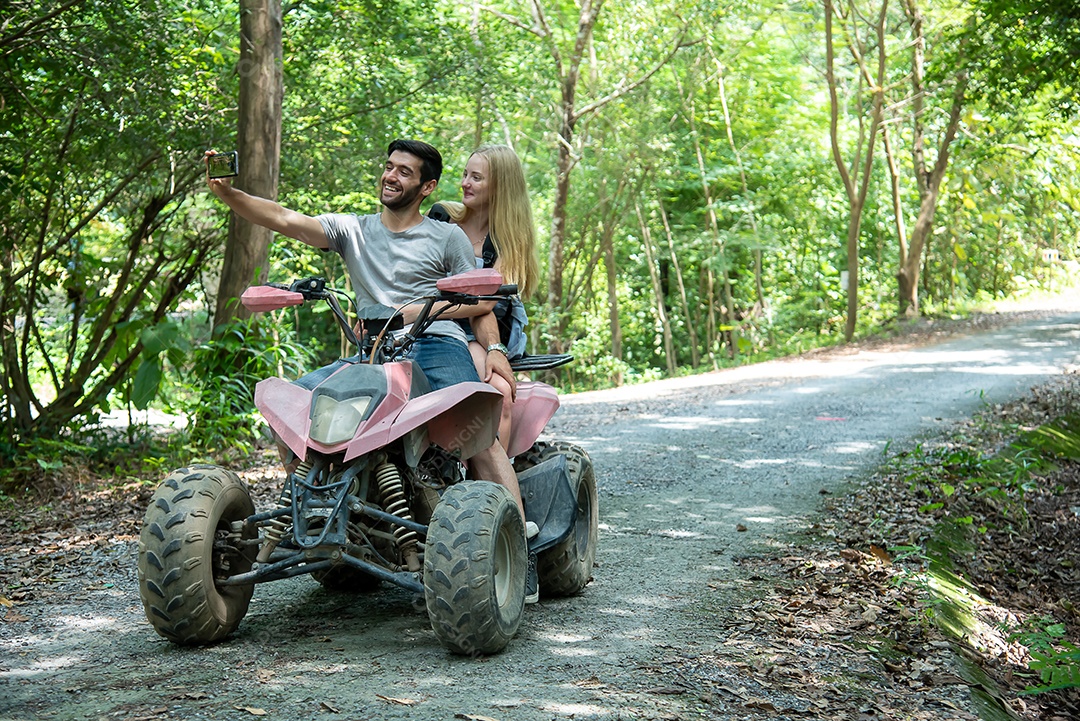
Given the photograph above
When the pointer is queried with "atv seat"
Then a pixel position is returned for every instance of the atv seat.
(540, 362)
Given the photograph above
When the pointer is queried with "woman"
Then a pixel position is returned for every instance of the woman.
(496, 215)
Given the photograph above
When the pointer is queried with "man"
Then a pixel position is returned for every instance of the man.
(394, 257)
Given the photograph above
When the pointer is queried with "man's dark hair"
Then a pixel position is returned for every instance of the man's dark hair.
(430, 159)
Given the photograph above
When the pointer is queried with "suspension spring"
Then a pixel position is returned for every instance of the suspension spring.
(392, 491)
(278, 528)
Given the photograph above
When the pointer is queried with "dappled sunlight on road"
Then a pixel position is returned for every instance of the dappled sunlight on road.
(1003, 369)
(836, 421)
(678, 534)
(856, 447)
(45, 665)
(690, 423)
(96, 623)
(678, 422)
(28, 653)
(758, 462)
(562, 637)
(1035, 356)
(759, 519)
(573, 651)
(576, 710)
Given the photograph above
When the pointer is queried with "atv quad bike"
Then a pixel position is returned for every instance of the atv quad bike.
(378, 491)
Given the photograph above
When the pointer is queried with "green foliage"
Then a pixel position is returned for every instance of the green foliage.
(1056, 660)
(47, 456)
(98, 156)
(943, 474)
(161, 340)
(39, 466)
(227, 367)
(718, 162)
(594, 366)
(959, 477)
(1059, 439)
(1024, 47)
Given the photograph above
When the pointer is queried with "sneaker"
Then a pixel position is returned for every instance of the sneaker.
(531, 529)
(532, 581)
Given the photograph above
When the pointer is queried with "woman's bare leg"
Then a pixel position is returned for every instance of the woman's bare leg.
(479, 355)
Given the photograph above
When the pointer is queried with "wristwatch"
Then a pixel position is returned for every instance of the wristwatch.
(499, 347)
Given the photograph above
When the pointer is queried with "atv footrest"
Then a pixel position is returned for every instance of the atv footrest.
(540, 362)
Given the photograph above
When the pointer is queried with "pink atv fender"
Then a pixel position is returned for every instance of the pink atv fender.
(287, 408)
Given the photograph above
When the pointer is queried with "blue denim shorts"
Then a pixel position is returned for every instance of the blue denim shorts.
(445, 361)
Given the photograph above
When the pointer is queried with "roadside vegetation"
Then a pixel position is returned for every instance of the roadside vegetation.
(943, 586)
(714, 183)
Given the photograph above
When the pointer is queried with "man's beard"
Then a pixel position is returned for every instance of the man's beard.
(404, 200)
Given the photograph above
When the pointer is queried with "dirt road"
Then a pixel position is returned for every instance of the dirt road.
(693, 474)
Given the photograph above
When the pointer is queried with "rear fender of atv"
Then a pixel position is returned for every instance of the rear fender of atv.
(536, 403)
(549, 501)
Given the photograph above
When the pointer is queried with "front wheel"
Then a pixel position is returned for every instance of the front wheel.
(475, 562)
(187, 542)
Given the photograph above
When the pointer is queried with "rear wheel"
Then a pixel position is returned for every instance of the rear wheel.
(187, 542)
(565, 569)
(474, 568)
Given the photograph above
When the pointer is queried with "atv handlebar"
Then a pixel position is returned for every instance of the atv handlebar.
(470, 288)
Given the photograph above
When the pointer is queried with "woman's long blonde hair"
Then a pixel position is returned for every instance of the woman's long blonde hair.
(510, 220)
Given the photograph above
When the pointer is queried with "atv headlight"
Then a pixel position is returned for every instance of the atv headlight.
(335, 421)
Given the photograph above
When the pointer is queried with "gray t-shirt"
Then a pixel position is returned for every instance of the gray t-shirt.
(397, 268)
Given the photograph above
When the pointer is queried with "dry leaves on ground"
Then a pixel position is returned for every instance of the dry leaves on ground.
(839, 628)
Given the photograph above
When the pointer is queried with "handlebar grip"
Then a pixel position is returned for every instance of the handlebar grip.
(509, 289)
(308, 285)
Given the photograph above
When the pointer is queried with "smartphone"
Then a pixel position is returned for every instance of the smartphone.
(223, 165)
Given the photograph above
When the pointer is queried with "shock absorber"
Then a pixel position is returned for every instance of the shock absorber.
(278, 528)
(392, 491)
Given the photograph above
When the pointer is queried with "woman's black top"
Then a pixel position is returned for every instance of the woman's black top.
(489, 256)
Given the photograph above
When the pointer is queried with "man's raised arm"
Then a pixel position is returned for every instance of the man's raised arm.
(269, 214)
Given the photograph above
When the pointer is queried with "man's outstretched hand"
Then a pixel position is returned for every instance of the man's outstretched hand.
(217, 185)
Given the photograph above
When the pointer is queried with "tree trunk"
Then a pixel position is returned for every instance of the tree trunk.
(857, 180)
(729, 331)
(695, 352)
(712, 326)
(247, 250)
(569, 71)
(897, 195)
(613, 295)
(590, 11)
(564, 165)
(759, 288)
(658, 293)
(928, 179)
